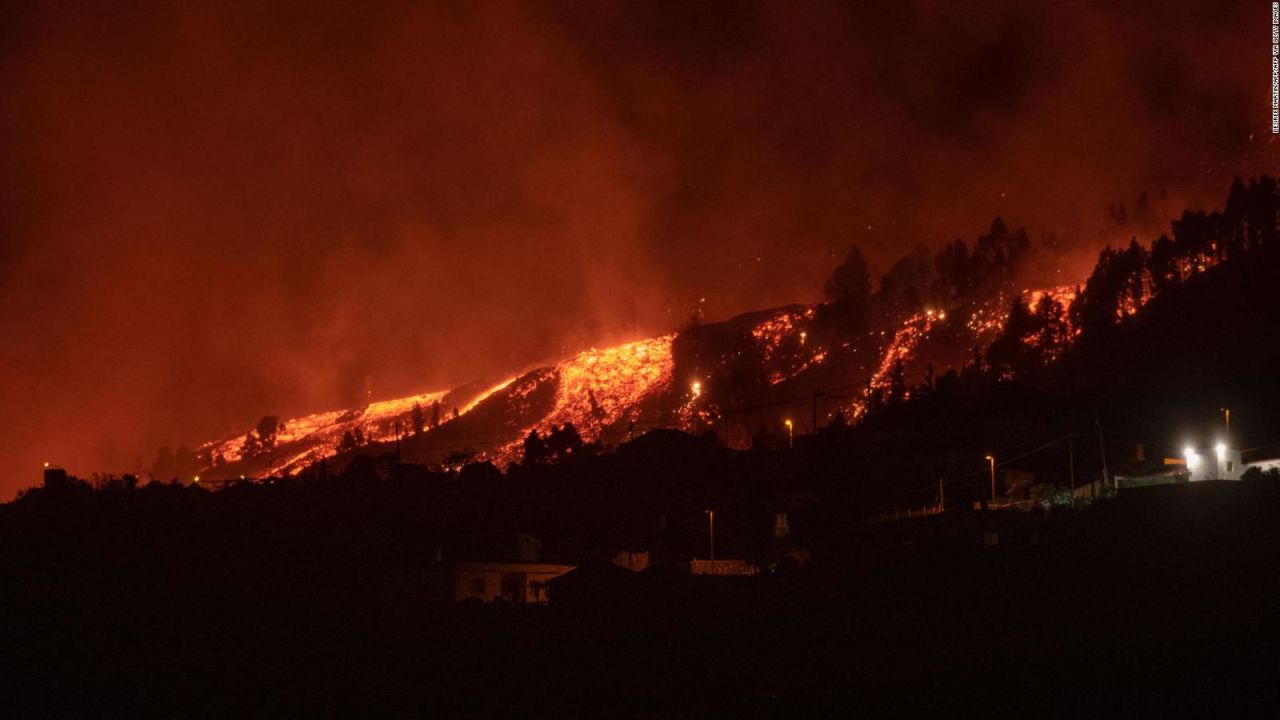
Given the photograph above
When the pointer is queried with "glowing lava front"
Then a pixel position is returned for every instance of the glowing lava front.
(598, 389)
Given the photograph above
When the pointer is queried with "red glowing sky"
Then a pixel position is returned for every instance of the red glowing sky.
(212, 213)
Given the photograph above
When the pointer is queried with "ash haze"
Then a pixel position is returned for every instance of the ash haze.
(216, 211)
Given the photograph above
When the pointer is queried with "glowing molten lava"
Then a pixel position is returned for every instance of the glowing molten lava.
(784, 345)
(608, 394)
(900, 350)
(302, 441)
(599, 388)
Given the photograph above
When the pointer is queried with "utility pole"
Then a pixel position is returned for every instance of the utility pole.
(1071, 462)
(711, 526)
(815, 412)
(942, 496)
(991, 459)
(397, 428)
(1097, 423)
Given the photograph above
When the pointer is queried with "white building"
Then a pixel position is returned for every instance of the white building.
(1217, 463)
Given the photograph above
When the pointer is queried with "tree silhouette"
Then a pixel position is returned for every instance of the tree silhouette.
(268, 428)
(535, 449)
(952, 281)
(1119, 280)
(897, 390)
(906, 288)
(250, 448)
(348, 442)
(1163, 264)
(417, 419)
(997, 255)
(847, 292)
(564, 441)
(1261, 207)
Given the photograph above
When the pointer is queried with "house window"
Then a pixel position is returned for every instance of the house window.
(1230, 465)
(477, 587)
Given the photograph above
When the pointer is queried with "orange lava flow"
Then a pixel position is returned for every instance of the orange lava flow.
(597, 389)
(600, 387)
(901, 348)
(785, 347)
(485, 395)
(772, 333)
(320, 433)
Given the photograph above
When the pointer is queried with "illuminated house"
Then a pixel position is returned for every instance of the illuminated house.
(1217, 463)
(512, 572)
(517, 583)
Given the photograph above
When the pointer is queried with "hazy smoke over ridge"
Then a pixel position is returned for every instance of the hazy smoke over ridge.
(212, 213)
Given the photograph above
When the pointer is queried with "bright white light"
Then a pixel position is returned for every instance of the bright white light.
(1221, 449)
(1189, 451)
(1192, 458)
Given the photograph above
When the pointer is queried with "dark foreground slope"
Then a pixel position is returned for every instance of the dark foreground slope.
(1155, 600)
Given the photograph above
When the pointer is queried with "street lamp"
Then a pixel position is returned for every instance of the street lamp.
(790, 434)
(711, 527)
(991, 459)
(1226, 416)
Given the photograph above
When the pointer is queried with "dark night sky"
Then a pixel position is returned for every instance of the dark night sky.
(212, 211)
